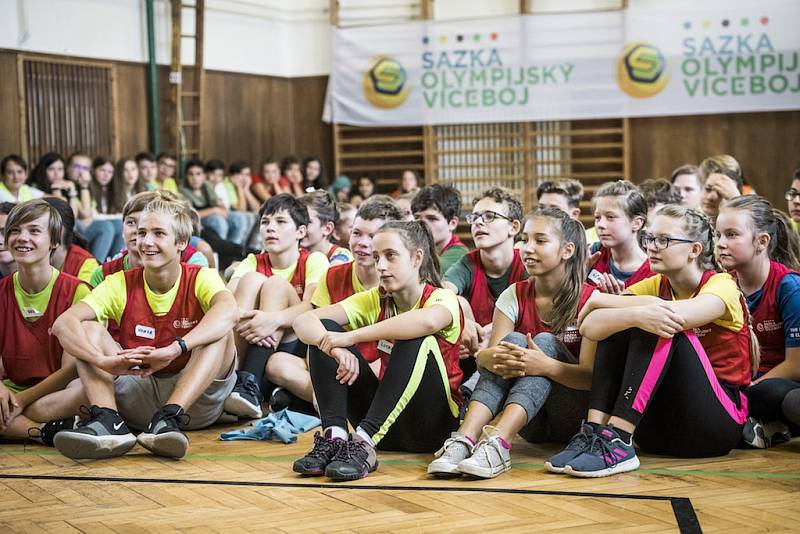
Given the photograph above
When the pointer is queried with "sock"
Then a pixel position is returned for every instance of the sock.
(255, 361)
(333, 432)
(469, 438)
(506, 445)
(171, 409)
(363, 435)
(595, 426)
(625, 436)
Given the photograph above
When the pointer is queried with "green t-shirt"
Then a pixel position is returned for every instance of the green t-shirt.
(450, 257)
(200, 200)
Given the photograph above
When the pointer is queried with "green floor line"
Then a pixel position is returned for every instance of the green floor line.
(285, 459)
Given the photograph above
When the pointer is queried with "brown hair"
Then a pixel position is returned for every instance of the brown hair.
(571, 189)
(416, 235)
(502, 196)
(29, 211)
(658, 191)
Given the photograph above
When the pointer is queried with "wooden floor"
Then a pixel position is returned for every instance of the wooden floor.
(249, 487)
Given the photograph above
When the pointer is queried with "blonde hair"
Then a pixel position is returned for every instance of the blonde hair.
(179, 215)
(722, 164)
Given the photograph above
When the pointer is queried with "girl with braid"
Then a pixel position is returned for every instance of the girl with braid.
(673, 357)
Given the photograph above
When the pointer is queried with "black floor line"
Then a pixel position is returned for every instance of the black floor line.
(681, 506)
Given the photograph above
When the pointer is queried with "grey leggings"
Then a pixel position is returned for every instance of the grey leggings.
(554, 411)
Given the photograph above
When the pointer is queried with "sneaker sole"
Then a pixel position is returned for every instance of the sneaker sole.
(482, 472)
(355, 476)
(553, 469)
(236, 405)
(297, 468)
(444, 470)
(168, 444)
(80, 446)
(630, 464)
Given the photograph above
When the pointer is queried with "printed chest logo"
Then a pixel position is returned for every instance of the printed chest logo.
(147, 332)
(183, 323)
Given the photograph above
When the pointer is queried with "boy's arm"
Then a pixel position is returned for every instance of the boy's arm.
(55, 382)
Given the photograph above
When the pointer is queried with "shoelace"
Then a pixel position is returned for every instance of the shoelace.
(484, 447)
(179, 419)
(602, 445)
(351, 449)
(323, 447)
(578, 441)
(447, 452)
(251, 388)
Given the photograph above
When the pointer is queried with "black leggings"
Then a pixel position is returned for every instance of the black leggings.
(766, 400)
(668, 389)
(409, 410)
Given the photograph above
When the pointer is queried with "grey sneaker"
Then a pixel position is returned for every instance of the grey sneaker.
(163, 436)
(456, 449)
(489, 458)
(765, 435)
(355, 459)
(579, 444)
(103, 435)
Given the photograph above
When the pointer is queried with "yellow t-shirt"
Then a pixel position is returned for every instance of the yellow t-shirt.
(721, 285)
(169, 184)
(87, 269)
(316, 267)
(108, 299)
(363, 309)
(322, 297)
(33, 305)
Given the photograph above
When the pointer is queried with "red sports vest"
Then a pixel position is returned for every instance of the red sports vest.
(139, 326)
(454, 242)
(448, 350)
(74, 260)
(529, 321)
(339, 280)
(767, 321)
(29, 351)
(116, 265)
(603, 265)
(728, 352)
(298, 280)
(480, 298)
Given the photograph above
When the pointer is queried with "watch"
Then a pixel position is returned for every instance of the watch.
(182, 345)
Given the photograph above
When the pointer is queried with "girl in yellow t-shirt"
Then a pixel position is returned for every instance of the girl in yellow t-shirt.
(416, 325)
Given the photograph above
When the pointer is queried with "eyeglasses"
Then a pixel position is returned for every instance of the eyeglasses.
(80, 167)
(660, 242)
(791, 194)
(487, 216)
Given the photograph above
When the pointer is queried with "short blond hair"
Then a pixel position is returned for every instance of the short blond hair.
(178, 214)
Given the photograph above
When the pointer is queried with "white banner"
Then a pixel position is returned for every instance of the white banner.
(637, 62)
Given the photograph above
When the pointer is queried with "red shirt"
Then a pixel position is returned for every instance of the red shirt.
(29, 351)
(339, 281)
(74, 260)
(298, 280)
(480, 298)
(603, 265)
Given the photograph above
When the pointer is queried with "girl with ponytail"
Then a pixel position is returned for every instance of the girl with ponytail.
(536, 359)
(757, 244)
(416, 325)
(672, 360)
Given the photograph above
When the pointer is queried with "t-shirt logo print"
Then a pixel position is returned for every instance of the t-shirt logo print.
(183, 323)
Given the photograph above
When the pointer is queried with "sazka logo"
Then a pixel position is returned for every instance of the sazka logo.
(385, 83)
(642, 70)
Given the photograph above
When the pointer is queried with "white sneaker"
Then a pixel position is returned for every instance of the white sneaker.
(489, 458)
(762, 435)
(455, 449)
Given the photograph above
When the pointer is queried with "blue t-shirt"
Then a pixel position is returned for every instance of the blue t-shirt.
(788, 300)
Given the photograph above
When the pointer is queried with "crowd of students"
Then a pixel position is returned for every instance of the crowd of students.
(671, 325)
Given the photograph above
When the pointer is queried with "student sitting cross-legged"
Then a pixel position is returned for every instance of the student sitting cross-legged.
(40, 394)
(173, 366)
(416, 326)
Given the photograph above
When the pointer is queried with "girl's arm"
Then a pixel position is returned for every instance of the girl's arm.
(501, 327)
(788, 368)
(308, 326)
(409, 325)
(575, 376)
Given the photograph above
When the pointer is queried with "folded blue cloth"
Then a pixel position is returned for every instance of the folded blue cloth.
(282, 426)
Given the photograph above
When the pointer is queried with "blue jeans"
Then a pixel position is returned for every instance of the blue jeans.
(239, 225)
(104, 237)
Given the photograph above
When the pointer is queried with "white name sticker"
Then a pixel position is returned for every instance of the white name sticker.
(29, 311)
(595, 277)
(145, 331)
(385, 346)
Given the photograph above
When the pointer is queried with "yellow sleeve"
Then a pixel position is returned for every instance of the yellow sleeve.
(449, 300)
(207, 284)
(108, 299)
(321, 296)
(316, 267)
(87, 269)
(723, 286)
(648, 286)
(247, 266)
(362, 308)
(80, 293)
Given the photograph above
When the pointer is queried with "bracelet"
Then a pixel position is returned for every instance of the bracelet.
(182, 345)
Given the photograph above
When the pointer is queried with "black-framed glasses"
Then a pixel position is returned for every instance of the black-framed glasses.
(487, 216)
(660, 242)
(791, 194)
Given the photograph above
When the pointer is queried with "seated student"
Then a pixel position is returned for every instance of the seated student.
(409, 183)
(350, 278)
(340, 189)
(792, 197)
(129, 258)
(341, 232)
(658, 192)
(403, 202)
(40, 392)
(147, 170)
(165, 176)
(314, 177)
(323, 215)
(49, 176)
(14, 171)
(757, 244)
(566, 195)
(8, 264)
(69, 256)
(365, 188)
(483, 274)
(270, 183)
(269, 304)
(617, 260)
(291, 172)
(536, 358)
(416, 325)
(722, 180)
(687, 182)
(672, 360)
(439, 206)
(173, 364)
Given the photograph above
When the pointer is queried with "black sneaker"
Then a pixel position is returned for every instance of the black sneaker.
(760, 435)
(245, 399)
(354, 460)
(103, 435)
(280, 399)
(323, 452)
(48, 431)
(163, 436)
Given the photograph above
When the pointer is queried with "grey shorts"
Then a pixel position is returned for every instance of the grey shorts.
(139, 398)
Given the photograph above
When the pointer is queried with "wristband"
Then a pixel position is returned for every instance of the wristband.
(182, 345)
